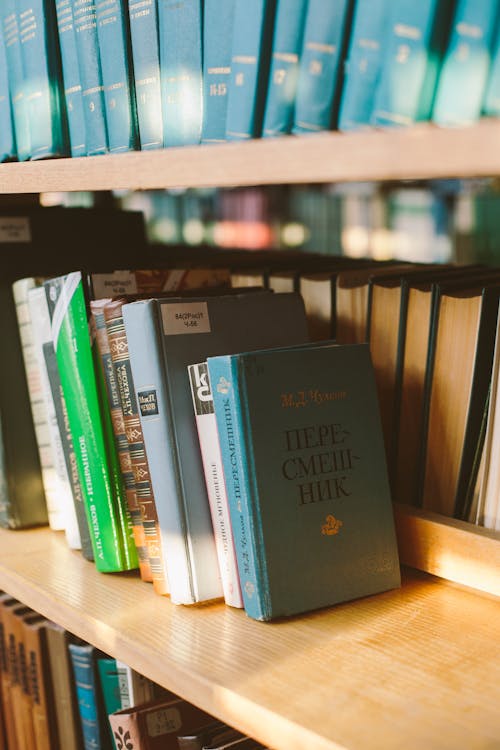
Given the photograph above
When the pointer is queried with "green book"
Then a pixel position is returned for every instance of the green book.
(90, 424)
(305, 469)
(110, 688)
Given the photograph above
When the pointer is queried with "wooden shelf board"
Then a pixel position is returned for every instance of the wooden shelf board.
(420, 152)
(415, 667)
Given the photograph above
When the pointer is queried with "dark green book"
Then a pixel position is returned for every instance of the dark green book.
(308, 489)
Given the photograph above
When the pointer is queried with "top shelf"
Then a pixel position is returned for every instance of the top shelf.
(421, 152)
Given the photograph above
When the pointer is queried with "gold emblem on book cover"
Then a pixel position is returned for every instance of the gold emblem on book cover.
(332, 526)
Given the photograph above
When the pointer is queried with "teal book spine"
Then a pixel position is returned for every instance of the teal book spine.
(89, 63)
(414, 47)
(83, 663)
(71, 78)
(143, 16)
(218, 23)
(464, 72)
(363, 64)
(10, 23)
(322, 65)
(113, 35)
(181, 65)
(250, 64)
(43, 78)
(285, 62)
(109, 684)
(7, 139)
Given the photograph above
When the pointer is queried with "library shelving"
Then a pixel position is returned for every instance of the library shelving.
(417, 667)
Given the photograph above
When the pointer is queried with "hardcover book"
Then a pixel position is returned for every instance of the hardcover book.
(64, 692)
(90, 705)
(19, 685)
(109, 688)
(71, 78)
(10, 23)
(218, 21)
(164, 337)
(40, 683)
(7, 602)
(308, 488)
(7, 137)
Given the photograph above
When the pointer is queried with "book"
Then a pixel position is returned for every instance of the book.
(134, 687)
(218, 21)
(164, 337)
(7, 137)
(40, 683)
(466, 64)
(363, 63)
(414, 48)
(250, 63)
(42, 79)
(181, 60)
(21, 702)
(10, 23)
(201, 735)
(89, 63)
(309, 492)
(71, 78)
(326, 35)
(214, 478)
(64, 693)
(91, 709)
(109, 688)
(318, 293)
(285, 61)
(6, 602)
(113, 36)
(143, 17)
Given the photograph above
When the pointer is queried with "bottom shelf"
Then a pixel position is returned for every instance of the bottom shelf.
(388, 671)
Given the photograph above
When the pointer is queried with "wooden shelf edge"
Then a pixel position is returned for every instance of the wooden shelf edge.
(451, 549)
(423, 151)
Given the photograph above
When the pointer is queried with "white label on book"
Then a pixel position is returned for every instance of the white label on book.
(163, 721)
(15, 229)
(113, 284)
(188, 317)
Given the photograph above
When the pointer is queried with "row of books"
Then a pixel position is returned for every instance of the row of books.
(58, 692)
(89, 77)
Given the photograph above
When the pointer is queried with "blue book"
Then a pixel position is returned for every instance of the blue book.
(364, 63)
(181, 61)
(415, 43)
(464, 72)
(491, 102)
(285, 60)
(92, 717)
(164, 337)
(10, 23)
(218, 22)
(7, 138)
(43, 79)
(113, 36)
(313, 498)
(321, 65)
(146, 63)
(89, 62)
(71, 78)
(250, 63)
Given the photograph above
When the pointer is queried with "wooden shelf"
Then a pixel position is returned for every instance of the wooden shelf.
(416, 668)
(421, 152)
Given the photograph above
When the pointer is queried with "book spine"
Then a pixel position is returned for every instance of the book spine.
(250, 63)
(464, 72)
(109, 688)
(321, 65)
(113, 36)
(71, 78)
(214, 477)
(143, 15)
(82, 660)
(89, 63)
(120, 358)
(64, 692)
(218, 23)
(21, 699)
(5, 676)
(180, 25)
(223, 373)
(7, 138)
(363, 64)
(10, 21)
(285, 61)
(78, 379)
(42, 74)
(122, 447)
(40, 685)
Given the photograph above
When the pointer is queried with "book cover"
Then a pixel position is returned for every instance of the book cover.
(309, 492)
(321, 64)
(134, 687)
(285, 61)
(7, 137)
(40, 681)
(22, 703)
(10, 23)
(92, 716)
(206, 425)
(218, 23)
(6, 602)
(250, 64)
(113, 34)
(466, 64)
(143, 15)
(164, 337)
(89, 63)
(42, 79)
(414, 47)
(63, 684)
(71, 78)
(181, 60)
(109, 688)
(363, 63)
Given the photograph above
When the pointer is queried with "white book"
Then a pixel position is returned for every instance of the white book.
(134, 687)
